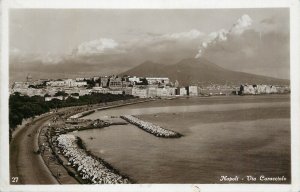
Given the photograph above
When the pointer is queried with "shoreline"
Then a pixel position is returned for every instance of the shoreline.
(78, 108)
(82, 145)
(119, 150)
(92, 170)
(86, 113)
(72, 172)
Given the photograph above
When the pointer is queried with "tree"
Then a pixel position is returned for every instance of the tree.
(61, 93)
(22, 107)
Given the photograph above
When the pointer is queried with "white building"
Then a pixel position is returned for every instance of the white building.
(172, 91)
(134, 80)
(84, 92)
(115, 92)
(79, 84)
(96, 78)
(192, 90)
(182, 91)
(258, 89)
(30, 91)
(128, 90)
(56, 83)
(66, 83)
(99, 90)
(158, 80)
(162, 92)
(79, 78)
(140, 92)
(51, 98)
(106, 90)
(20, 85)
(152, 92)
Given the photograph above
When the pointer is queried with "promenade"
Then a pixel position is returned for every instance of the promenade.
(26, 161)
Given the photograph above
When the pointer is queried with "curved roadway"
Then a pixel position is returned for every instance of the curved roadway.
(26, 165)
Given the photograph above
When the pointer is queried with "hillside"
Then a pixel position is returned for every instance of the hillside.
(200, 72)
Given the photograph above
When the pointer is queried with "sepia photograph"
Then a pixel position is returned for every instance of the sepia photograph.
(149, 96)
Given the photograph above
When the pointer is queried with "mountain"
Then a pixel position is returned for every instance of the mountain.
(200, 72)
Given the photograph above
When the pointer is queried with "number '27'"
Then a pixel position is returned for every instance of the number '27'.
(14, 179)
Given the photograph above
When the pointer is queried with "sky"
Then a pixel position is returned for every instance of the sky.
(106, 41)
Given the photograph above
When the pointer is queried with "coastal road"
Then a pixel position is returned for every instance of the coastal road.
(27, 167)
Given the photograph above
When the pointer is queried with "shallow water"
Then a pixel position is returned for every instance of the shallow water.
(250, 138)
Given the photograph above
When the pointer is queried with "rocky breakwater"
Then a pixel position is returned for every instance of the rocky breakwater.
(82, 114)
(151, 128)
(91, 169)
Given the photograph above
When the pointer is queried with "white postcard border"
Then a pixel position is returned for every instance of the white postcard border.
(154, 4)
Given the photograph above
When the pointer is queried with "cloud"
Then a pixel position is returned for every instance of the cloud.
(154, 41)
(274, 24)
(268, 21)
(51, 59)
(98, 46)
(165, 48)
(253, 52)
(241, 47)
(242, 24)
(192, 34)
(18, 56)
(263, 49)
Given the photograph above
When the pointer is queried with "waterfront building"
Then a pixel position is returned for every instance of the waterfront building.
(22, 91)
(158, 80)
(18, 85)
(139, 91)
(39, 82)
(79, 79)
(100, 90)
(182, 91)
(56, 83)
(66, 83)
(79, 84)
(71, 90)
(115, 92)
(74, 96)
(134, 80)
(162, 92)
(52, 97)
(84, 92)
(257, 89)
(104, 81)
(128, 91)
(192, 90)
(172, 91)
(115, 82)
(96, 78)
(126, 82)
(152, 92)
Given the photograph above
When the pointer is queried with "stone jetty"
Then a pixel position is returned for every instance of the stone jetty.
(89, 168)
(151, 128)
